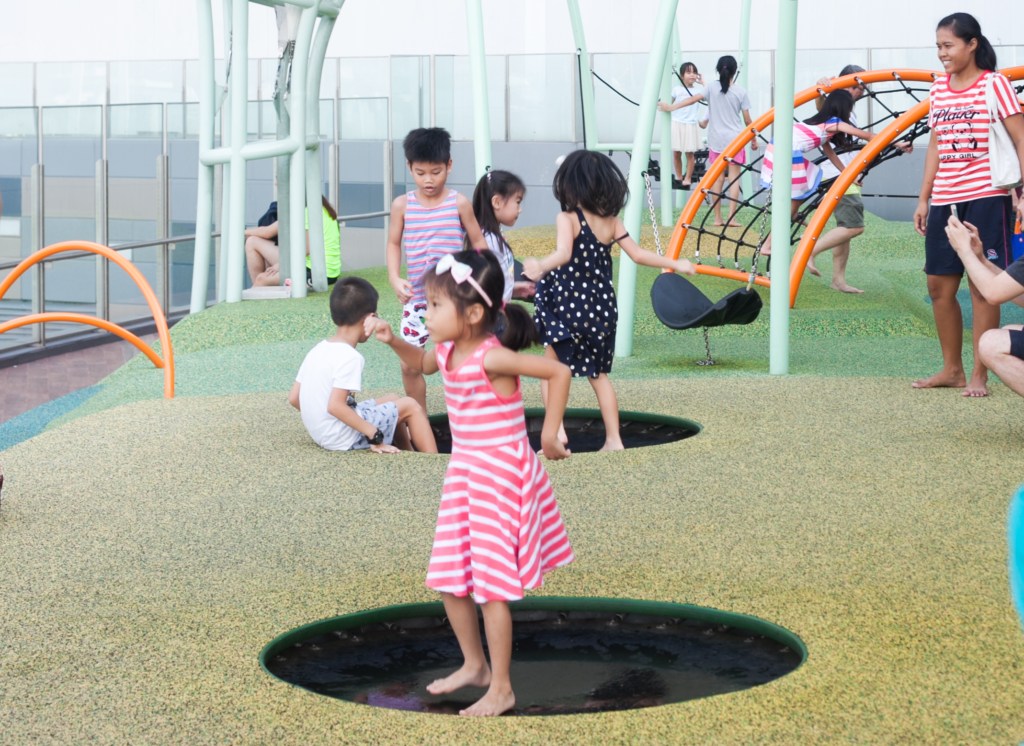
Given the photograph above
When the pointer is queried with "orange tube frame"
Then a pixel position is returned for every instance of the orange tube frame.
(167, 363)
(838, 188)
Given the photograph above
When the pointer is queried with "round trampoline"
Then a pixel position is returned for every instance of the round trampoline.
(586, 429)
(569, 655)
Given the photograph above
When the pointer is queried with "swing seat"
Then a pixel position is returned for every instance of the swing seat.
(678, 304)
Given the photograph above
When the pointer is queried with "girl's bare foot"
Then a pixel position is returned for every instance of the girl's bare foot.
(842, 287)
(812, 268)
(491, 704)
(465, 676)
(613, 445)
(941, 380)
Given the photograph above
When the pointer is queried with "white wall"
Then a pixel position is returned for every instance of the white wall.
(154, 30)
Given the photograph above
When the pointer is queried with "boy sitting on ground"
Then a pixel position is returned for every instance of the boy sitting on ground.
(333, 370)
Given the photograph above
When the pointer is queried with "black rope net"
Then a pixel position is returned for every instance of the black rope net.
(734, 247)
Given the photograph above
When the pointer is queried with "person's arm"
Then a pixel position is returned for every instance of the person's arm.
(534, 268)
(337, 406)
(681, 103)
(748, 121)
(931, 167)
(500, 361)
(470, 224)
(994, 284)
(416, 358)
(293, 396)
(268, 232)
(647, 258)
(393, 253)
(830, 153)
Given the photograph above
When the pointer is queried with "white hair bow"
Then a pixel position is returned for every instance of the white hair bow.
(461, 273)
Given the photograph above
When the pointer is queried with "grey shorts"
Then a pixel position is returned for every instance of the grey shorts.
(382, 416)
(849, 213)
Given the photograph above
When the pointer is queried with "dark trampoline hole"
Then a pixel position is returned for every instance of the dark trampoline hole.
(569, 655)
(585, 429)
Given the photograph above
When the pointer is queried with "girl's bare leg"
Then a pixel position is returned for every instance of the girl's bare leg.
(260, 255)
(734, 192)
(986, 316)
(716, 200)
(949, 323)
(549, 351)
(678, 162)
(608, 403)
(499, 697)
(690, 162)
(412, 417)
(461, 613)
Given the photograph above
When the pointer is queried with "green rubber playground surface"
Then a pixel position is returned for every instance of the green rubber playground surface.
(150, 548)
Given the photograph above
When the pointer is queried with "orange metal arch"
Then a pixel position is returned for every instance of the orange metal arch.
(167, 363)
(847, 177)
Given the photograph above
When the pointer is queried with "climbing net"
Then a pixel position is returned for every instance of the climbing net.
(897, 113)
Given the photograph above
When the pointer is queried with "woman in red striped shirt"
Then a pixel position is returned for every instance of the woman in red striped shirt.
(957, 180)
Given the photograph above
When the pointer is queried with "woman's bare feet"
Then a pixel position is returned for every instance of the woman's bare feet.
(941, 380)
(465, 676)
(491, 704)
(976, 388)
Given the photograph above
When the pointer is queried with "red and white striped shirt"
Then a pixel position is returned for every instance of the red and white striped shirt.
(960, 121)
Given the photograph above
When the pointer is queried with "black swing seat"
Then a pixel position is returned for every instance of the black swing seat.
(678, 304)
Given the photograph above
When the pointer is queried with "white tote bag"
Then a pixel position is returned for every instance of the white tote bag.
(1002, 155)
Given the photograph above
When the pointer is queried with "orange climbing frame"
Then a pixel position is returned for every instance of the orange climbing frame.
(167, 363)
(839, 186)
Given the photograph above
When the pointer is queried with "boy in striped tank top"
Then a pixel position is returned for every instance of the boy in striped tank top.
(431, 221)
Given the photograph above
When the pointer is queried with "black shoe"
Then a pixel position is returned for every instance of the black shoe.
(676, 183)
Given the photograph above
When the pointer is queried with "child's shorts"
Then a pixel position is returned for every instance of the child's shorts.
(382, 416)
(1017, 343)
(740, 157)
(414, 325)
(849, 212)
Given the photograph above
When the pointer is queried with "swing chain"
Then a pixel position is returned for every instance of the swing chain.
(654, 219)
(707, 348)
(761, 239)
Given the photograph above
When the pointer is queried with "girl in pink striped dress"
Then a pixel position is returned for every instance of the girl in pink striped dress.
(815, 132)
(499, 529)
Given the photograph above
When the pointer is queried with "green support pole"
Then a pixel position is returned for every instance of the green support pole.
(238, 102)
(744, 42)
(586, 82)
(665, 120)
(204, 200)
(478, 74)
(641, 152)
(782, 186)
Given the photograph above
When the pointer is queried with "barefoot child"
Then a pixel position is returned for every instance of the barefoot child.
(431, 221)
(497, 202)
(576, 311)
(498, 527)
(333, 370)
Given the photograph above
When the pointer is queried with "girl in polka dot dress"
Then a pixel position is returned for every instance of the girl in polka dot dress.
(576, 312)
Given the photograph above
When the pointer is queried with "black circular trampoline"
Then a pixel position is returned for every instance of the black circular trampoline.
(569, 655)
(586, 429)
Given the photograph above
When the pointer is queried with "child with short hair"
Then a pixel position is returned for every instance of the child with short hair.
(333, 369)
(431, 221)
(576, 311)
(499, 530)
(497, 202)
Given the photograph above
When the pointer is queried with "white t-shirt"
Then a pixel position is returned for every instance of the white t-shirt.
(691, 114)
(328, 366)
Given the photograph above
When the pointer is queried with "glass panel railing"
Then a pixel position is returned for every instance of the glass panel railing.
(146, 82)
(71, 83)
(542, 97)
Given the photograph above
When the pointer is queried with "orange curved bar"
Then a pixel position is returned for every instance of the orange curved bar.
(847, 177)
(81, 318)
(147, 292)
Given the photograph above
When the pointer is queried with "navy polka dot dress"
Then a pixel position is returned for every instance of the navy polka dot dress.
(576, 311)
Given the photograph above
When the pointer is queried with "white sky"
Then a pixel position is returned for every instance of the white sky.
(70, 30)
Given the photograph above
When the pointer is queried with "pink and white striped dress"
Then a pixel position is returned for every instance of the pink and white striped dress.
(806, 173)
(499, 529)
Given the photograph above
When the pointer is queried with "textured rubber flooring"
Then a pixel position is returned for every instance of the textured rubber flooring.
(150, 548)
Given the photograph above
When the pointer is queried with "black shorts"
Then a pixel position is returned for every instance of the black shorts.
(991, 216)
(1017, 343)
